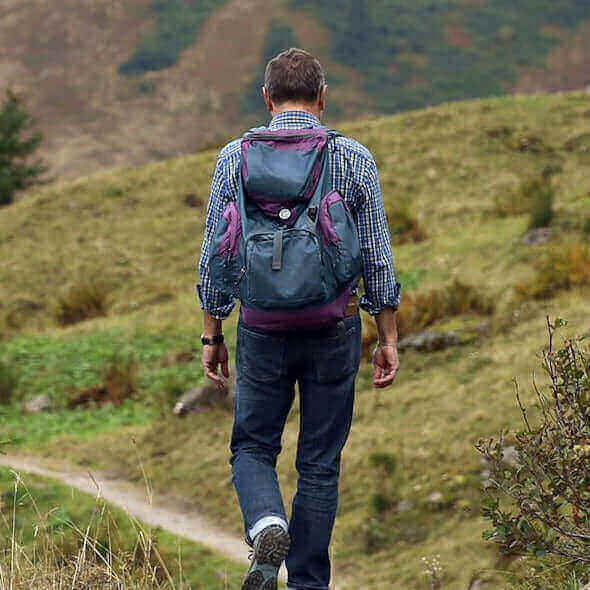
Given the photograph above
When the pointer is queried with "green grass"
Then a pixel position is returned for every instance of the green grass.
(47, 521)
(448, 165)
(61, 367)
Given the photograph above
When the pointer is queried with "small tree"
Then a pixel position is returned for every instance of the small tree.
(540, 504)
(18, 142)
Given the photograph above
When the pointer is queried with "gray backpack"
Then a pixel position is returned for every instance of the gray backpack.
(288, 248)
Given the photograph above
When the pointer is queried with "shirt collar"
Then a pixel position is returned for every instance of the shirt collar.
(294, 120)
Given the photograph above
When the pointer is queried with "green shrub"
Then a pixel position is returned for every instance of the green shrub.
(18, 142)
(83, 301)
(384, 461)
(8, 383)
(541, 195)
(586, 227)
(539, 504)
(548, 573)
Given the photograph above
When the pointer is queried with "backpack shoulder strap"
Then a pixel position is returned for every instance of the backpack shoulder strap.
(254, 130)
(332, 133)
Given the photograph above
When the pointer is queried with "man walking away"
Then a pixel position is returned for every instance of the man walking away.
(294, 218)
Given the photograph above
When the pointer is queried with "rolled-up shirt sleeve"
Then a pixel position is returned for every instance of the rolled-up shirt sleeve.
(381, 287)
(213, 301)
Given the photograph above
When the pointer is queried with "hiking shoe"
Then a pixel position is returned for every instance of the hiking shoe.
(269, 551)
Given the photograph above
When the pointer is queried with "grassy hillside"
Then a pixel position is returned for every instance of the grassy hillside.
(129, 81)
(460, 173)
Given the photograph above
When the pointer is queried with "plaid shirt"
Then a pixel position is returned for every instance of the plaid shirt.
(354, 176)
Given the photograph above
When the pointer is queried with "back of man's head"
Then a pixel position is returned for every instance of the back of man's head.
(294, 76)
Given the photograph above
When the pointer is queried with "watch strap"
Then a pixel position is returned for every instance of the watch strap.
(217, 339)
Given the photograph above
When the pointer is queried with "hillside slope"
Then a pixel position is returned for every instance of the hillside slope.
(458, 172)
(69, 59)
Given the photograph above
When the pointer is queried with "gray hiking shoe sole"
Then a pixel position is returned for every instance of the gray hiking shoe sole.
(270, 549)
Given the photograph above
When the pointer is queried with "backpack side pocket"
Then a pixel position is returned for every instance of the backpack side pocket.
(224, 260)
(340, 239)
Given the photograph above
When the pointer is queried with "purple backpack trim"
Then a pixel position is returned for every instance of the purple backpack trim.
(233, 234)
(304, 319)
(325, 221)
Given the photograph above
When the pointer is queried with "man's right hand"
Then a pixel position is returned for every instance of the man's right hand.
(385, 365)
(213, 356)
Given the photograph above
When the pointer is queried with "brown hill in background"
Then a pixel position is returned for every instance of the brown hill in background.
(65, 56)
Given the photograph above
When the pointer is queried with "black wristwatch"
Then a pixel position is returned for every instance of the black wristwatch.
(217, 339)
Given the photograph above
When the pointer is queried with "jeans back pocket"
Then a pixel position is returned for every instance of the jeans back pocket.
(259, 357)
(337, 356)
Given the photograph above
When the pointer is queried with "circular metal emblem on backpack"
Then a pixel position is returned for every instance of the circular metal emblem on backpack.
(284, 214)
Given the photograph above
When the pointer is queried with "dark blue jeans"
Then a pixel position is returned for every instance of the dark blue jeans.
(325, 364)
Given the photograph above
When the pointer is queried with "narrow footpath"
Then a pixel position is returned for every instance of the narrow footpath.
(158, 511)
(170, 516)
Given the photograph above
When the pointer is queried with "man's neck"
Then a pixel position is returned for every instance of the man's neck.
(296, 106)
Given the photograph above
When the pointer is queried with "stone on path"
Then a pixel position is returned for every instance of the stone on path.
(203, 397)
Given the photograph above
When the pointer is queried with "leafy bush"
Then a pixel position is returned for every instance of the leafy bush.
(18, 142)
(8, 382)
(540, 503)
(177, 25)
(541, 195)
(559, 268)
(549, 573)
(83, 301)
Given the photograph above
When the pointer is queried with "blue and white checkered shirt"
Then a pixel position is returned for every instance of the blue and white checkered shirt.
(355, 177)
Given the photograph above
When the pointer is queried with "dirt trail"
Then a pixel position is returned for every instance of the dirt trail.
(168, 515)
